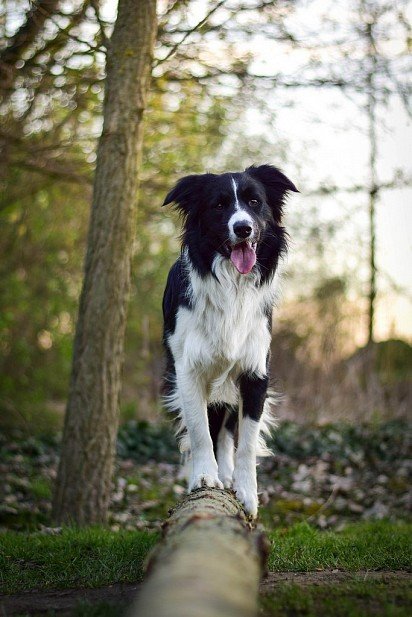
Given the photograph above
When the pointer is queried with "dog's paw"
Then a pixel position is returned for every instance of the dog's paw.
(204, 480)
(226, 480)
(248, 499)
(226, 473)
(245, 488)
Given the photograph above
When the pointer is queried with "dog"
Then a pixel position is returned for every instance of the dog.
(217, 310)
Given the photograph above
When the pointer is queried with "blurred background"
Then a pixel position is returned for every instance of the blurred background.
(319, 89)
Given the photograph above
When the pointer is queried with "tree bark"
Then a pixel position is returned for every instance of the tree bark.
(373, 190)
(84, 479)
(209, 562)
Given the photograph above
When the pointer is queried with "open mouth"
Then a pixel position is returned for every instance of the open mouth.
(243, 255)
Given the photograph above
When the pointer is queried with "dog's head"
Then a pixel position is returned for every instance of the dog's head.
(231, 213)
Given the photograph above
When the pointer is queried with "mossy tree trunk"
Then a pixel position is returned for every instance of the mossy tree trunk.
(84, 478)
(207, 565)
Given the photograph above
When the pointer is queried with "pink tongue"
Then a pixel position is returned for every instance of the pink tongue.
(243, 257)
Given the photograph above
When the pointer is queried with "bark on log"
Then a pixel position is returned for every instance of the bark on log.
(208, 564)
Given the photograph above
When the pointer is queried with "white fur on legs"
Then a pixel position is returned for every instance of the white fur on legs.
(194, 409)
(225, 456)
(245, 483)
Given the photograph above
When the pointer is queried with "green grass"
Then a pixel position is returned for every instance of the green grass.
(353, 598)
(76, 558)
(97, 557)
(361, 546)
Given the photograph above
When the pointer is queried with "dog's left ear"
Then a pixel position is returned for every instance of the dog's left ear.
(276, 185)
(187, 191)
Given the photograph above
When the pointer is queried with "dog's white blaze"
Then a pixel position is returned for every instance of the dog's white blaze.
(239, 215)
(237, 205)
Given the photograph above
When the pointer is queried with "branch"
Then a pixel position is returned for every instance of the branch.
(27, 33)
(189, 32)
(23, 38)
(59, 172)
(396, 183)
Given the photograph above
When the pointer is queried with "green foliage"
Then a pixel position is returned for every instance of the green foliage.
(85, 558)
(41, 488)
(393, 360)
(143, 442)
(328, 476)
(40, 276)
(342, 440)
(363, 546)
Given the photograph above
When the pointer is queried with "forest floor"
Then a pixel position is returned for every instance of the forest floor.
(335, 501)
(312, 594)
(363, 569)
(327, 476)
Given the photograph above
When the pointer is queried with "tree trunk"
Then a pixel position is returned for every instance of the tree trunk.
(89, 439)
(208, 564)
(373, 188)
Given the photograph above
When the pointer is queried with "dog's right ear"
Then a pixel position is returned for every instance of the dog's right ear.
(187, 190)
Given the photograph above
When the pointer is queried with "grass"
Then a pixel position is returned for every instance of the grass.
(97, 557)
(349, 599)
(380, 545)
(75, 558)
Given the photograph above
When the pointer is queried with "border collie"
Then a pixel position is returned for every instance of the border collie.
(217, 310)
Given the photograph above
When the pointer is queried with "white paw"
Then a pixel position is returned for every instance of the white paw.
(245, 487)
(226, 480)
(199, 480)
(225, 457)
(225, 466)
(248, 499)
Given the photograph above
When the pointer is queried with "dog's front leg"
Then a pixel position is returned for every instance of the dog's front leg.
(194, 409)
(253, 393)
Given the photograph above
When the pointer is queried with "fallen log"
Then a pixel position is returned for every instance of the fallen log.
(208, 564)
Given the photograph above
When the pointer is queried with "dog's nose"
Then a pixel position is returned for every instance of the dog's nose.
(242, 229)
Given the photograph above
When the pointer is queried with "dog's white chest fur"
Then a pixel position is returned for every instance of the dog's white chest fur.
(225, 332)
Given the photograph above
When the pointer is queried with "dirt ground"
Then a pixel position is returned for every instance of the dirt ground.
(65, 600)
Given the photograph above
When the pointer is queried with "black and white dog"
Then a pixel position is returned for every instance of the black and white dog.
(217, 311)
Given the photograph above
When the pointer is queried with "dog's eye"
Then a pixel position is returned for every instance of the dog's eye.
(253, 203)
(219, 207)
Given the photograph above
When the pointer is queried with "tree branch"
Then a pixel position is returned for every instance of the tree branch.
(191, 31)
(24, 37)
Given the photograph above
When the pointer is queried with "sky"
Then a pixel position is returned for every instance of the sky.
(338, 156)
